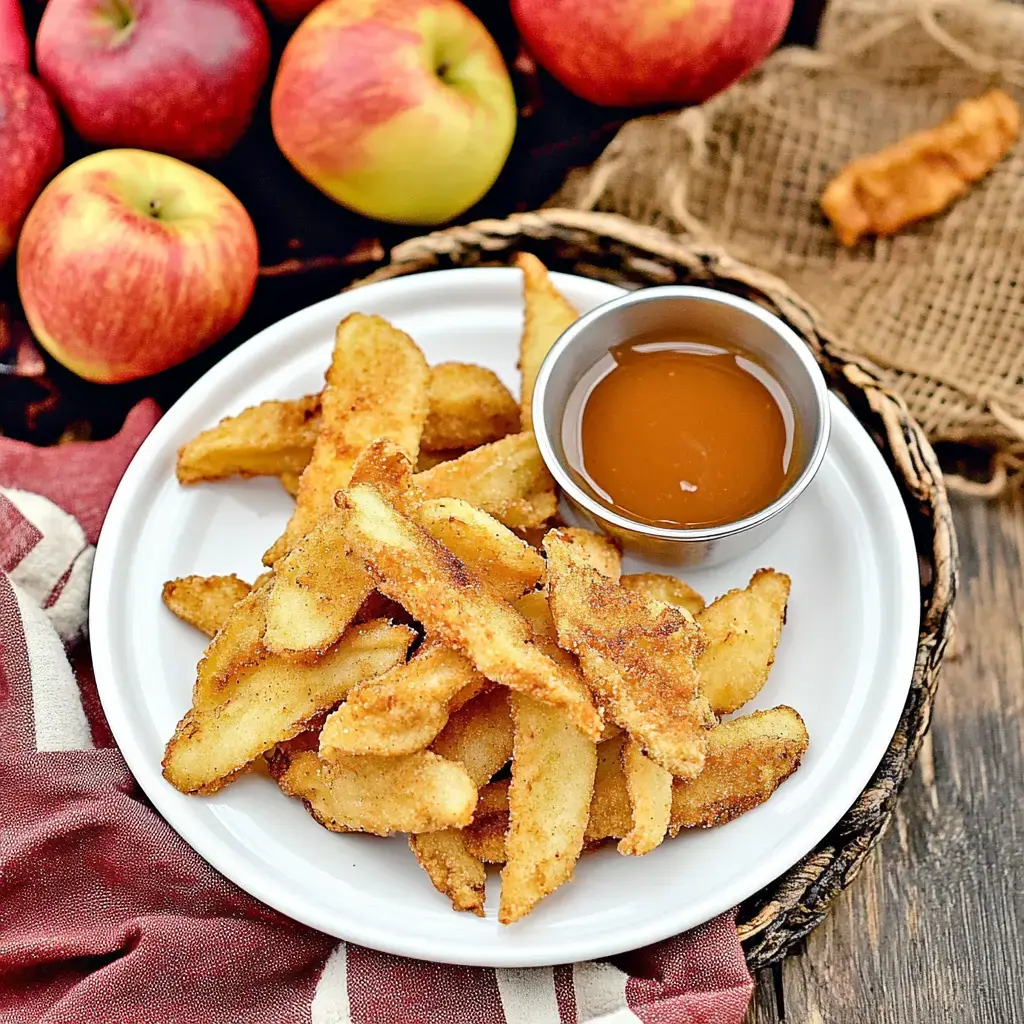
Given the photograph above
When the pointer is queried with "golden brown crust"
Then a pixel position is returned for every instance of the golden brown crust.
(404, 709)
(743, 628)
(553, 767)
(479, 735)
(485, 836)
(268, 439)
(547, 314)
(376, 388)
(415, 793)
(667, 589)
(469, 406)
(204, 601)
(748, 759)
(455, 608)
(273, 701)
(638, 656)
(923, 173)
(453, 869)
(506, 479)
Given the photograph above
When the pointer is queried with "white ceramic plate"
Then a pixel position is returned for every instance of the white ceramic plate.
(844, 663)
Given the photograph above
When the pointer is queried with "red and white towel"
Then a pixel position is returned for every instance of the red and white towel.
(106, 915)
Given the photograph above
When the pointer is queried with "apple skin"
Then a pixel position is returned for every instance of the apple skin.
(132, 262)
(31, 149)
(289, 12)
(640, 52)
(360, 110)
(14, 47)
(182, 77)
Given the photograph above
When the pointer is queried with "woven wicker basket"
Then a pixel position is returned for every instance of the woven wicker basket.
(614, 249)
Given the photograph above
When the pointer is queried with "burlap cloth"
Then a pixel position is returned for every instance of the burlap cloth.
(940, 307)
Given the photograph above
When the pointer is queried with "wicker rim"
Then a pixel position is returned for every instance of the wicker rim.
(612, 248)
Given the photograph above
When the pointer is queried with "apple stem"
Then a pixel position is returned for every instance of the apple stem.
(442, 71)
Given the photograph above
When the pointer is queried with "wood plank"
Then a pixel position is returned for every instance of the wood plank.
(932, 929)
(764, 1006)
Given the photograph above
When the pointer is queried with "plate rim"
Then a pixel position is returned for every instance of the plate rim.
(248, 875)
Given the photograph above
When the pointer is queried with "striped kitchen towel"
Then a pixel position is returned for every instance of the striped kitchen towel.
(106, 915)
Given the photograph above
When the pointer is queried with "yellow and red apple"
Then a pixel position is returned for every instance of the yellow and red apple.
(636, 52)
(31, 149)
(399, 109)
(177, 76)
(131, 262)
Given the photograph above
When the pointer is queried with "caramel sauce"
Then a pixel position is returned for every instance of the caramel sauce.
(679, 433)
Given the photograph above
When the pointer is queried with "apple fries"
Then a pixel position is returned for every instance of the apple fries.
(403, 710)
(272, 701)
(507, 479)
(638, 655)
(553, 767)
(376, 388)
(410, 567)
(550, 704)
(743, 628)
(547, 314)
(468, 406)
(204, 601)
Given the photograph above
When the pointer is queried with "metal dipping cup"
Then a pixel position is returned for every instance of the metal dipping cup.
(692, 311)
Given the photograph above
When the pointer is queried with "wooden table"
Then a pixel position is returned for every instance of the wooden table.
(932, 930)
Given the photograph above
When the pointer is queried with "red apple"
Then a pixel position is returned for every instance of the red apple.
(177, 76)
(635, 52)
(13, 40)
(131, 262)
(400, 109)
(289, 12)
(31, 149)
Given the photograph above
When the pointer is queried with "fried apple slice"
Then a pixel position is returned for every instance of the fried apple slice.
(317, 589)
(270, 702)
(667, 589)
(650, 800)
(610, 814)
(485, 836)
(454, 870)
(404, 709)
(235, 646)
(415, 793)
(269, 439)
(479, 736)
(469, 406)
(507, 479)
(319, 585)
(410, 567)
(506, 564)
(553, 767)
(547, 315)
(204, 601)
(743, 629)
(638, 656)
(376, 387)
(384, 464)
(598, 551)
(748, 759)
